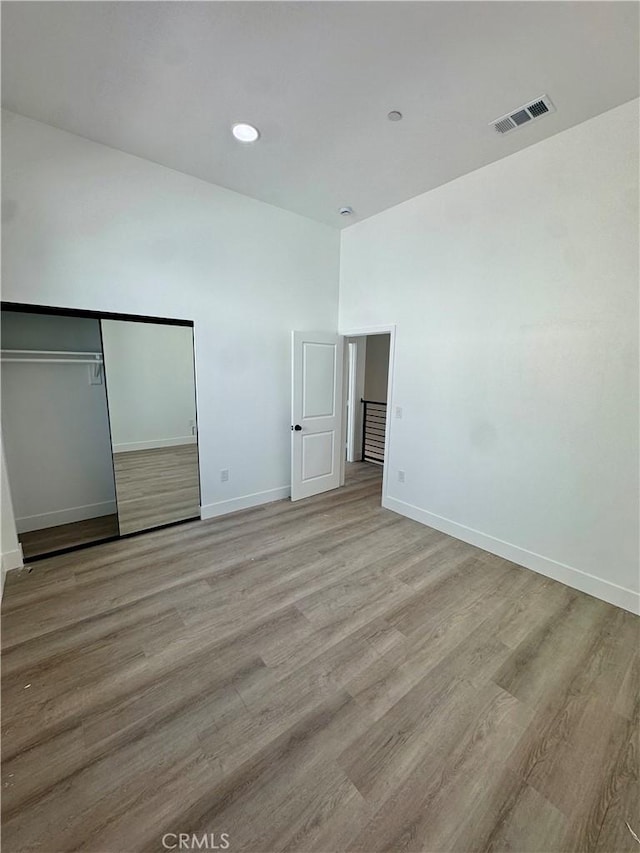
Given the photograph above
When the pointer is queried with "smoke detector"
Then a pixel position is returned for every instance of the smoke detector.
(542, 106)
(345, 211)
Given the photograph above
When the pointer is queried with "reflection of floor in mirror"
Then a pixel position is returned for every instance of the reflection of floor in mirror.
(68, 535)
(157, 486)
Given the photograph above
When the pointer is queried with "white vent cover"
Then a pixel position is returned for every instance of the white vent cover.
(542, 106)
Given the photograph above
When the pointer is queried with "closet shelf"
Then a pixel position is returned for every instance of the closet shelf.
(32, 356)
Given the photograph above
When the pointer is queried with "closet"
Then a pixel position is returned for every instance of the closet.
(99, 425)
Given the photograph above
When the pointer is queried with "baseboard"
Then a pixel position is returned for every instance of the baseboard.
(628, 599)
(10, 560)
(64, 516)
(129, 446)
(245, 502)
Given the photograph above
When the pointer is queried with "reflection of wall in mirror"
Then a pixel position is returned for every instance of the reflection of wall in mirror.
(150, 384)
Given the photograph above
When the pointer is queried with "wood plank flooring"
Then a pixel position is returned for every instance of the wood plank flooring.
(68, 535)
(317, 676)
(156, 487)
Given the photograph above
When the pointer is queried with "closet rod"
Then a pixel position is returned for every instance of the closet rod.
(50, 352)
(53, 360)
(51, 356)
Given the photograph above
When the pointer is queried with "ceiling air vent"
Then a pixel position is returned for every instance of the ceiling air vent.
(523, 115)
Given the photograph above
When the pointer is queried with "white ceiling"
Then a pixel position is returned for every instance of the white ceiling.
(166, 80)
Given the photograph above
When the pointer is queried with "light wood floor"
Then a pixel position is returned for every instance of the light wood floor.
(68, 535)
(156, 487)
(322, 676)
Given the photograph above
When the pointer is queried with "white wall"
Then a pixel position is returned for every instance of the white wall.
(151, 384)
(86, 226)
(515, 293)
(54, 425)
(377, 368)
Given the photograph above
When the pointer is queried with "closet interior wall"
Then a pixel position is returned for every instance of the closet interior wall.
(56, 431)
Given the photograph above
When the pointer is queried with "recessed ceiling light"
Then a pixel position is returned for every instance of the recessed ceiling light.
(245, 132)
(394, 115)
(345, 211)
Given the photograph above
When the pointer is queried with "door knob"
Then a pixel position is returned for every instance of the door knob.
(297, 427)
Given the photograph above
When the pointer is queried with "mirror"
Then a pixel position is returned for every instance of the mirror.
(149, 371)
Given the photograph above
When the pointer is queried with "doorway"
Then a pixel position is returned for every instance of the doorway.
(339, 407)
(366, 404)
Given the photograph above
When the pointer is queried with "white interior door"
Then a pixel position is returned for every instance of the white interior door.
(316, 413)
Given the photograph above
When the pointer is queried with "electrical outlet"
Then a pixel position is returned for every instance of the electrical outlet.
(224, 475)
(401, 476)
(399, 412)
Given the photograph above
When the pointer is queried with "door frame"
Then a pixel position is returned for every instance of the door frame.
(354, 429)
(362, 331)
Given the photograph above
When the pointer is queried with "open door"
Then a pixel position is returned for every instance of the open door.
(316, 413)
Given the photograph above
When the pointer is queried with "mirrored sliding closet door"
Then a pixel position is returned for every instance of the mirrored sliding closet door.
(149, 370)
